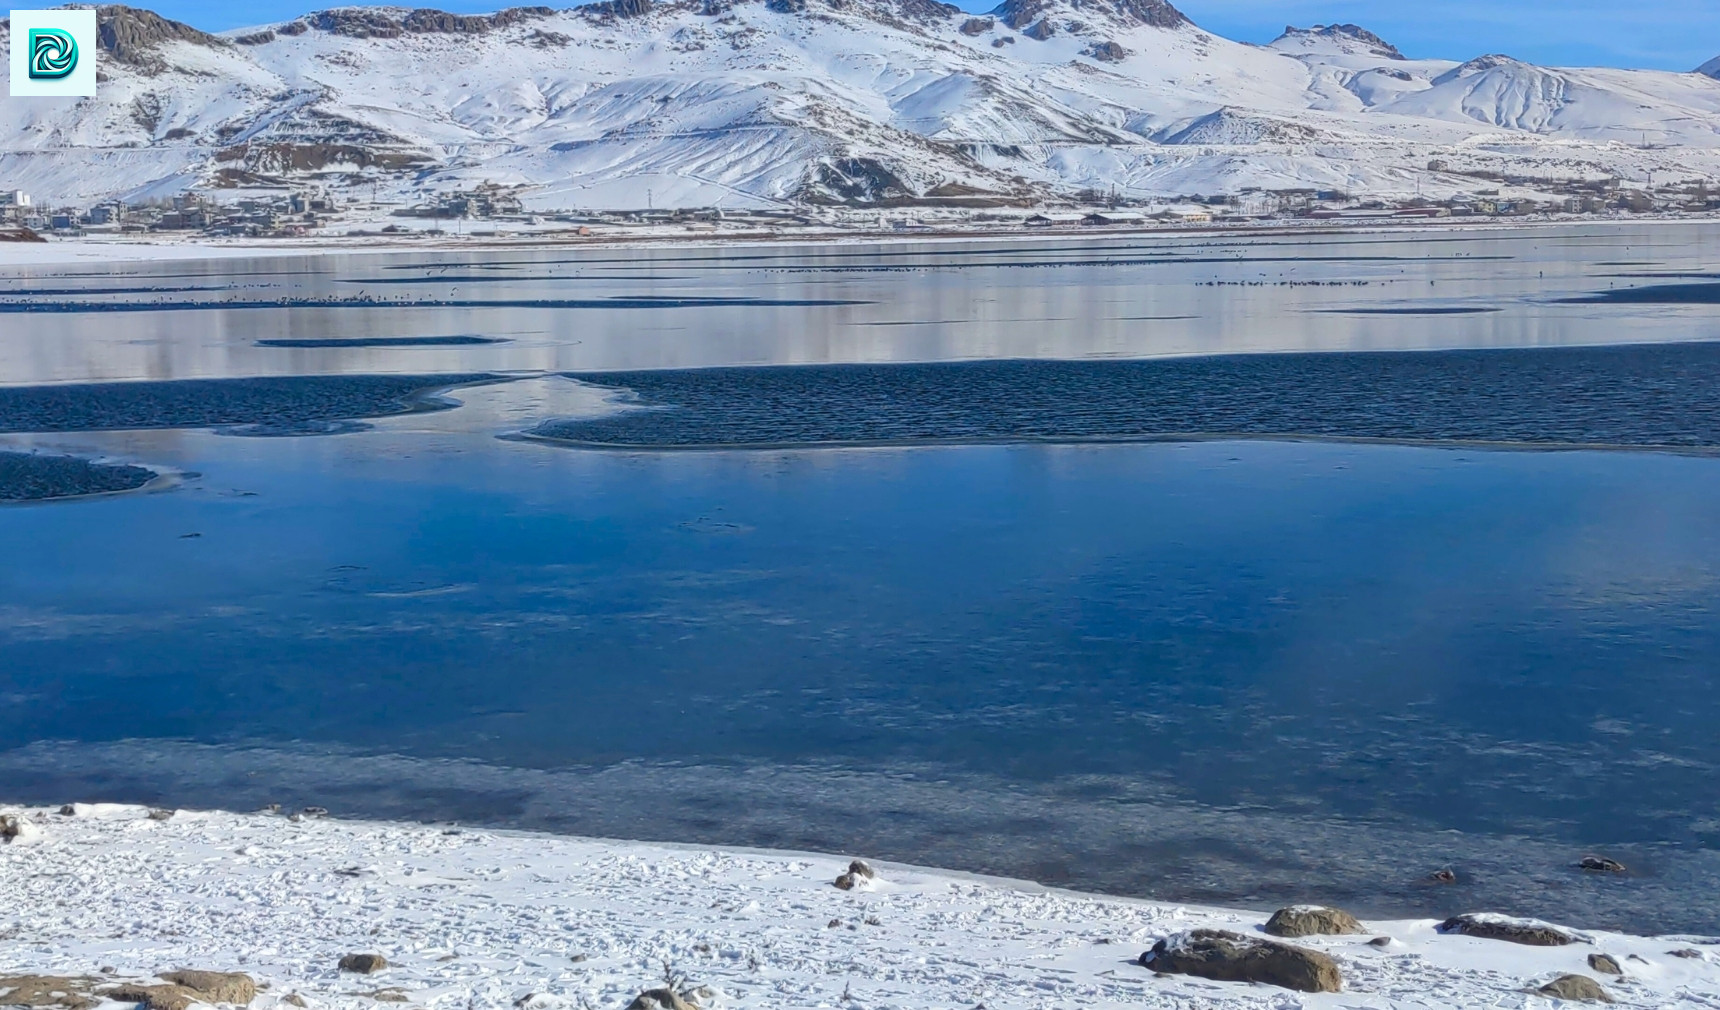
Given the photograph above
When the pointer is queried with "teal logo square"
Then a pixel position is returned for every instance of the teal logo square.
(53, 54)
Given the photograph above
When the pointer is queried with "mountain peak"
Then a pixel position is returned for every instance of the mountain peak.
(130, 34)
(1019, 14)
(1352, 39)
(1711, 68)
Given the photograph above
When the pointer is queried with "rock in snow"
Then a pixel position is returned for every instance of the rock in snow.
(1489, 926)
(1224, 956)
(1312, 920)
(363, 964)
(1576, 987)
(11, 826)
(154, 997)
(216, 986)
(48, 991)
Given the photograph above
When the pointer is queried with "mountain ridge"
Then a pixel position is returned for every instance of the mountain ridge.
(759, 103)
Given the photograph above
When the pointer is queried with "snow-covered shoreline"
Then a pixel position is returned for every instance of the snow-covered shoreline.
(156, 249)
(470, 918)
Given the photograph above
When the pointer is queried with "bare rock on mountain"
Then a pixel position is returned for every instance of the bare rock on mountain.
(1230, 126)
(1156, 13)
(1346, 37)
(131, 36)
(1312, 920)
(978, 26)
(1040, 30)
(854, 180)
(1481, 65)
(1018, 14)
(1107, 52)
(619, 8)
(1231, 957)
(356, 23)
(369, 23)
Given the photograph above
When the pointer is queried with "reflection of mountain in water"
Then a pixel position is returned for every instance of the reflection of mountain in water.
(1126, 297)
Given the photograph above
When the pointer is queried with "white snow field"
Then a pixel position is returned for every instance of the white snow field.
(762, 103)
(472, 919)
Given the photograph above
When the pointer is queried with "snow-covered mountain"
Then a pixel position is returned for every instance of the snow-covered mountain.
(762, 102)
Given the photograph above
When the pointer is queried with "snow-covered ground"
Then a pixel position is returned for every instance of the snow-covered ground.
(470, 919)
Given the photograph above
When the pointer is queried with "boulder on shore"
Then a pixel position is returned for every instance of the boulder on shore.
(1312, 920)
(1605, 963)
(1577, 988)
(1530, 932)
(1224, 956)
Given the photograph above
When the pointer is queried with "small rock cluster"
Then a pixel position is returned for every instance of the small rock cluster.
(1225, 956)
(858, 873)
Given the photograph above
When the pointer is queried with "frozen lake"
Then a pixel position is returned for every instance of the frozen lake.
(1095, 622)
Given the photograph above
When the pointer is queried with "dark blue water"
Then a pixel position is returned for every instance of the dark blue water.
(1221, 670)
(1632, 395)
(1403, 640)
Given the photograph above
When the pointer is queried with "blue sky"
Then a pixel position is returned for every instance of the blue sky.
(1664, 34)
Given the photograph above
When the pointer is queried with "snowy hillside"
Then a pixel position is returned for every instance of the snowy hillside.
(758, 103)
